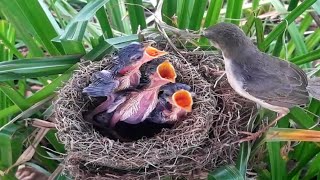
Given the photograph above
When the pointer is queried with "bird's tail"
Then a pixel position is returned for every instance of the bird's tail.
(314, 87)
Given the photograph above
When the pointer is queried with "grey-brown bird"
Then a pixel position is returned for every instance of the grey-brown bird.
(273, 83)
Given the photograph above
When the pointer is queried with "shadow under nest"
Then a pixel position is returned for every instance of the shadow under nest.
(192, 147)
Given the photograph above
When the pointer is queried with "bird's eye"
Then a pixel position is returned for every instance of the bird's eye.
(136, 57)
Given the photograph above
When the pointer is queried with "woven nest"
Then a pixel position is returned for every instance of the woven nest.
(198, 144)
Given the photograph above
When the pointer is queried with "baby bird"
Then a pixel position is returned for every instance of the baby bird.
(174, 103)
(139, 105)
(126, 71)
(128, 63)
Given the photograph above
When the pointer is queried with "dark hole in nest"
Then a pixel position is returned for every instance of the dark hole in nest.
(131, 132)
(127, 132)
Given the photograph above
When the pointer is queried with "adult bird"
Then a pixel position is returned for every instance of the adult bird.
(174, 103)
(273, 83)
(139, 105)
(125, 72)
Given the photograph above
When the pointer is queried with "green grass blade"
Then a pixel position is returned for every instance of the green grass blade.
(51, 137)
(104, 22)
(259, 32)
(20, 69)
(303, 59)
(316, 6)
(37, 20)
(225, 172)
(169, 8)
(41, 94)
(184, 14)
(136, 15)
(42, 157)
(312, 41)
(15, 15)
(107, 46)
(304, 160)
(314, 107)
(237, 11)
(243, 158)
(250, 21)
(288, 20)
(197, 14)
(313, 169)
(305, 23)
(302, 118)
(11, 144)
(14, 96)
(255, 4)
(212, 16)
(229, 12)
(74, 32)
(297, 39)
(292, 4)
(277, 164)
(117, 12)
(213, 13)
(7, 36)
(278, 46)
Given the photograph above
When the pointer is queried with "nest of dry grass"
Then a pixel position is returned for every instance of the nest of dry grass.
(198, 144)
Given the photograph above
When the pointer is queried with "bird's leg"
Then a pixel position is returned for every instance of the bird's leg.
(253, 136)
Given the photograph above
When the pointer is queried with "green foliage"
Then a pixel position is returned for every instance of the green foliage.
(41, 43)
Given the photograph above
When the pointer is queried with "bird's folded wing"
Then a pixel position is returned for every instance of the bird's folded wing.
(131, 106)
(117, 102)
(103, 84)
(285, 87)
(314, 87)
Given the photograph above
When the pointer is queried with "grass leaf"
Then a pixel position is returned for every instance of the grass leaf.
(225, 172)
(243, 158)
(277, 164)
(288, 20)
(136, 15)
(20, 69)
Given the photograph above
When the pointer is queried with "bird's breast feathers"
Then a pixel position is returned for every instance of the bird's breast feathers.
(236, 82)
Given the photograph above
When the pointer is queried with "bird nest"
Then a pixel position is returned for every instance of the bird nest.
(199, 143)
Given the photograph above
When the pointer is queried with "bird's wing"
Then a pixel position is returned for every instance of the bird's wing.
(103, 84)
(131, 106)
(117, 102)
(153, 103)
(274, 81)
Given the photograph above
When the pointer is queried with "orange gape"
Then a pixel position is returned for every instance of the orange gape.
(151, 51)
(183, 99)
(167, 71)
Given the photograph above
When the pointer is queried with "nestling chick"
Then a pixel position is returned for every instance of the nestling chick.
(174, 103)
(140, 104)
(126, 71)
(107, 83)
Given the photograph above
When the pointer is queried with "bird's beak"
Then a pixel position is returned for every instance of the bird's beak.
(183, 99)
(153, 53)
(166, 71)
(204, 33)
